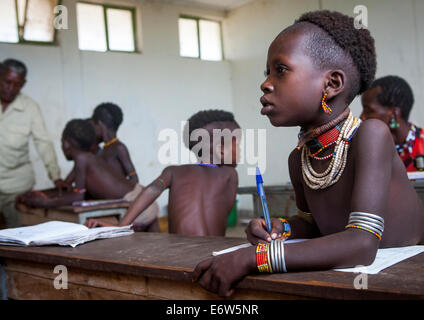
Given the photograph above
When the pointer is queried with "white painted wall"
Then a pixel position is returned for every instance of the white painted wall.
(398, 29)
(156, 88)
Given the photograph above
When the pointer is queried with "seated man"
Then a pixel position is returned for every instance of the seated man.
(201, 195)
(94, 178)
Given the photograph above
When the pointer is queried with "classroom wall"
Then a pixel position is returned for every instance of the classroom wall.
(398, 29)
(156, 88)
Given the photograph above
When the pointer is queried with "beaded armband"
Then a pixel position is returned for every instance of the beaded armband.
(262, 257)
(368, 222)
(162, 183)
(286, 228)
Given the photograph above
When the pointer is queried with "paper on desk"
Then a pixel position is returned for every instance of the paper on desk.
(386, 258)
(59, 232)
(245, 245)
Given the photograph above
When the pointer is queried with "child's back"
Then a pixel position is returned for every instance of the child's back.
(101, 181)
(201, 199)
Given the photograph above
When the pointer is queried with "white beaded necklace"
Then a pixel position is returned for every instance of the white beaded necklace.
(332, 174)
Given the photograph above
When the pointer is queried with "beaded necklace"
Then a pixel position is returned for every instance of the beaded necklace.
(322, 142)
(207, 165)
(409, 141)
(107, 144)
(332, 174)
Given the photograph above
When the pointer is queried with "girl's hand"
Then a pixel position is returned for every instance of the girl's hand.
(221, 273)
(256, 231)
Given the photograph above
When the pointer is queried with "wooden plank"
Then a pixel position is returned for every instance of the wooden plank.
(177, 290)
(173, 257)
(21, 286)
(104, 280)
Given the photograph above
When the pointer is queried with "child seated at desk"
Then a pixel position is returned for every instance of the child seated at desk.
(201, 195)
(94, 178)
(107, 118)
(346, 174)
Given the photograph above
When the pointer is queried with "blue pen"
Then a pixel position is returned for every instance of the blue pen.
(261, 192)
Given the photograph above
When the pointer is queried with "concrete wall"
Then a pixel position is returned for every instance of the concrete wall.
(156, 88)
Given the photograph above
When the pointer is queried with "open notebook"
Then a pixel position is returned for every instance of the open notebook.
(60, 233)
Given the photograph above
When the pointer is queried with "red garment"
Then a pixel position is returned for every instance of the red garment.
(413, 147)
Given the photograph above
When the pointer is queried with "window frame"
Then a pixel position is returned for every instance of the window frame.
(133, 24)
(197, 19)
(21, 39)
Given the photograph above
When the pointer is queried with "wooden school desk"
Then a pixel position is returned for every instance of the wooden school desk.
(160, 266)
(78, 214)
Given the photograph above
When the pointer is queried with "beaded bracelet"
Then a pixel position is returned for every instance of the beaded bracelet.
(162, 183)
(286, 228)
(262, 257)
(133, 173)
(363, 228)
(369, 222)
(80, 190)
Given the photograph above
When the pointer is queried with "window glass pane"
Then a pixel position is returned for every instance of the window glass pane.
(210, 40)
(91, 27)
(120, 29)
(39, 20)
(8, 25)
(21, 11)
(189, 44)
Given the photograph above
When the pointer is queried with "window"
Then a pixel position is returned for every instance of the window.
(105, 28)
(200, 38)
(27, 21)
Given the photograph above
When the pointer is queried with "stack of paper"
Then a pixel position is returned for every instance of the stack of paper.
(59, 232)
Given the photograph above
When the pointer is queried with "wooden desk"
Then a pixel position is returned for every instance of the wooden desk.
(159, 266)
(77, 214)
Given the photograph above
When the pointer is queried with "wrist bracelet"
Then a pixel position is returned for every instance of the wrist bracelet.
(286, 228)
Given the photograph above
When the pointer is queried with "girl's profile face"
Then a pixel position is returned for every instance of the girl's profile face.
(294, 86)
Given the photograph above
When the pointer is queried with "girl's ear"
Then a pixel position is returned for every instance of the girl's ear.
(334, 83)
(397, 114)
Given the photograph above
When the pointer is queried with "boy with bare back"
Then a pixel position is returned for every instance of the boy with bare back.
(351, 187)
(201, 195)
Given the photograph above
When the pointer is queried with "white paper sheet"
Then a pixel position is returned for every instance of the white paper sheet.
(60, 233)
(245, 245)
(386, 258)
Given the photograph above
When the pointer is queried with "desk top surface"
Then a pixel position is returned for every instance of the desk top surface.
(174, 257)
